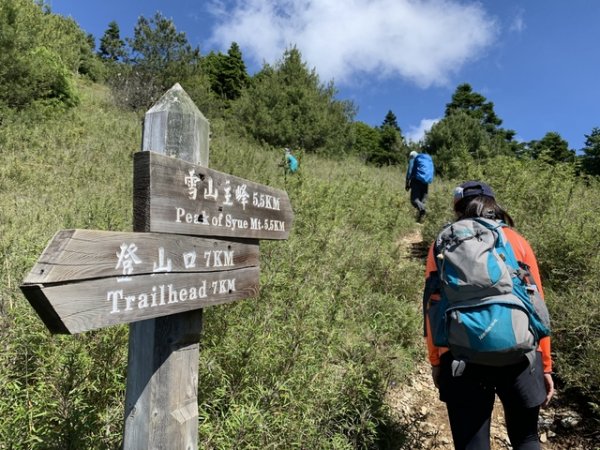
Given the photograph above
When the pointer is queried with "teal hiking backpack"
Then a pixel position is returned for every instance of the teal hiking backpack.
(490, 311)
(292, 163)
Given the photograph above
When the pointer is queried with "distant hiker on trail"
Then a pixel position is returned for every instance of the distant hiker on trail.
(486, 324)
(419, 176)
(290, 162)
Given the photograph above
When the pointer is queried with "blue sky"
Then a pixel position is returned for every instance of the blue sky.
(536, 60)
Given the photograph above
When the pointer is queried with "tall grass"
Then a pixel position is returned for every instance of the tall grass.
(335, 322)
(304, 365)
(69, 171)
(308, 362)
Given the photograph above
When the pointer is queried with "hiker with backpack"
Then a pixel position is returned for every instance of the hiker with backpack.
(486, 324)
(290, 162)
(419, 176)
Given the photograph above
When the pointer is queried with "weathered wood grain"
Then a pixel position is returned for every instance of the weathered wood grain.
(161, 407)
(174, 126)
(75, 307)
(162, 375)
(174, 196)
(84, 254)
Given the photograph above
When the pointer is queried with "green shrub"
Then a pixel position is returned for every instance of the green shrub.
(39, 53)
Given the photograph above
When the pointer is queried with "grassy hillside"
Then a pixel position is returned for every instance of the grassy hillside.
(308, 362)
(305, 365)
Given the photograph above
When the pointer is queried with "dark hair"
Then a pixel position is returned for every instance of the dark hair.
(482, 206)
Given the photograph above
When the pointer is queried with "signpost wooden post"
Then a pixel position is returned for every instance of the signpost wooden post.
(159, 277)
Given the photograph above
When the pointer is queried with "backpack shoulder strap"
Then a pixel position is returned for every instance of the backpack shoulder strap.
(413, 171)
(432, 287)
(437, 244)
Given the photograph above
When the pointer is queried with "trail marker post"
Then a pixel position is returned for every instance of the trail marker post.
(159, 277)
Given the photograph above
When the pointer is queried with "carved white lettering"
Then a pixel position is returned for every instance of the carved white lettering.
(230, 285)
(182, 216)
(218, 258)
(179, 215)
(164, 295)
(255, 223)
(162, 265)
(189, 260)
(129, 299)
(228, 258)
(265, 201)
(114, 297)
(172, 294)
(143, 301)
(153, 295)
(235, 224)
(273, 225)
(226, 286)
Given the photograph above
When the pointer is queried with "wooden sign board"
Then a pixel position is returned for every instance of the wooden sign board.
(91, 279)
(174, 196)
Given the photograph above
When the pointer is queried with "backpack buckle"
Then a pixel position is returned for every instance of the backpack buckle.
(458, 367)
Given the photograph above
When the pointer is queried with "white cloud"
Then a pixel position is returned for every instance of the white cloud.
(423, 41)
(416, 133)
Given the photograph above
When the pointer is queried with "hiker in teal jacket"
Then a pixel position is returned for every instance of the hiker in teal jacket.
(291, 163)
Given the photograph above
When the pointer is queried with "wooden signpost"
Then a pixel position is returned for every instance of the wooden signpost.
(173, 196)
(92, 279)
(159, 277)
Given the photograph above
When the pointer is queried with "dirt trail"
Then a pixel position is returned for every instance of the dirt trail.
(417, 405)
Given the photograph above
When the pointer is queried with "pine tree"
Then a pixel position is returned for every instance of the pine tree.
(552, 148)
(235, 76)
(477, 106)
(591, 157)
(227, 73)
(159, 57)
(112, 47)
(391, 142)
(287, 106)
(390, 120)
(158, 48)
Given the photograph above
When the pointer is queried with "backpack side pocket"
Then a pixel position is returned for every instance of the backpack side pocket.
(434, 310)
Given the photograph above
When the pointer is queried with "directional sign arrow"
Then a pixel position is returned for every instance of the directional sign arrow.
(90, 279)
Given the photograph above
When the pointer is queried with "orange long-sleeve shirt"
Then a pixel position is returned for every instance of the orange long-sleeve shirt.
(523, 253)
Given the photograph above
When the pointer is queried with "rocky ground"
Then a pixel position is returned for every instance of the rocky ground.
(417, 405)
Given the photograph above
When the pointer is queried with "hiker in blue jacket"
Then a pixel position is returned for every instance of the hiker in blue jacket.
(419, 176)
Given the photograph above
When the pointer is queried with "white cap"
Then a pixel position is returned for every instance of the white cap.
(412, 154)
